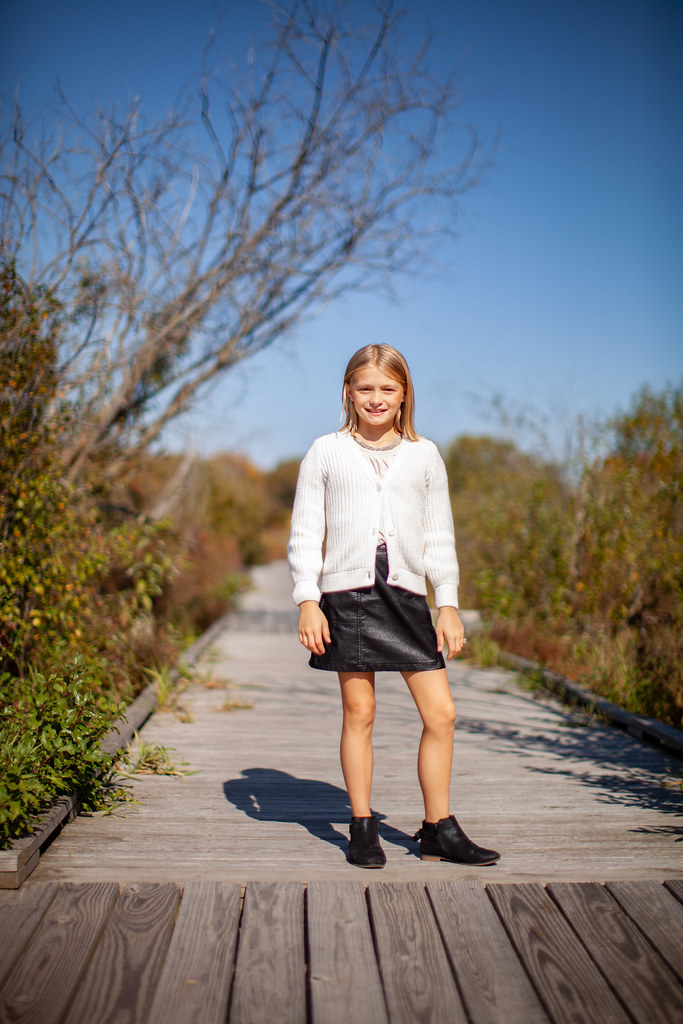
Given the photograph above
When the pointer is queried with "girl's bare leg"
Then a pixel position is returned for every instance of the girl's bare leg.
(358, 701)
(432, 695)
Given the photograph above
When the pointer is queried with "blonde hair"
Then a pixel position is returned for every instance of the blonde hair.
(393, 364)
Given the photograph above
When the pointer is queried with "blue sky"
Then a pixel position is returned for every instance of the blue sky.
(562, 294)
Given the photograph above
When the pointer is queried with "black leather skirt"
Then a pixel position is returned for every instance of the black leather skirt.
(378, 629)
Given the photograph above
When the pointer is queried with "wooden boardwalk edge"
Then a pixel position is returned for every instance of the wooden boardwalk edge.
(465, 952)
(639, 726)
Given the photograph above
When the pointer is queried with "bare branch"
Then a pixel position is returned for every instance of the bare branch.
(180, 247)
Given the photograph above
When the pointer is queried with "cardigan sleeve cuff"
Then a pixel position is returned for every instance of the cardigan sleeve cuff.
(305, 591)
(446, 594)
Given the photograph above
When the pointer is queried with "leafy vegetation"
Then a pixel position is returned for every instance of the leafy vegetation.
(584, 572)
(94, 589)
(50, 732)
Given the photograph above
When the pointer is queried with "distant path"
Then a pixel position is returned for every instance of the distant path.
(562, 799)
(272, 589)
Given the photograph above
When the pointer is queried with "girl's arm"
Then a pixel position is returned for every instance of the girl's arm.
(441, 561)
(305, 549)
(305, 552)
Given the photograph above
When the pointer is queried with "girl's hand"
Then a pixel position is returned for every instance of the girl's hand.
(313, 627)
(450, 631)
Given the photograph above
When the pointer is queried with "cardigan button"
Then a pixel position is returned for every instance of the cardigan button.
(379, 487)
(395, 576)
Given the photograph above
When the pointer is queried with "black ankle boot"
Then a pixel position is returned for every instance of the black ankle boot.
(364, 848)
(445, 840)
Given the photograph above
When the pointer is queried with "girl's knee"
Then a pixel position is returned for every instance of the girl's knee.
(449, 714)
(359, 713)
(442, 718)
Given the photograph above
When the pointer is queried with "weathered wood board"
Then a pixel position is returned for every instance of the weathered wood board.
(344, 975)
(338, 952)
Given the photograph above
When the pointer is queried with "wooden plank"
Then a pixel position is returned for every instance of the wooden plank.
(270, 971)
(658, 914)
(344, 977)
(493, 983)
(24, 865)
(417, 978)
(675, 886)
(134, 717)
(20, 914)
(643, 981)
(119, 983)
(195, 980)
(42, 982)
(18, 861)
(569, 984)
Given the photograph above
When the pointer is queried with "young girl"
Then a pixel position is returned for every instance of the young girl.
(371, 518)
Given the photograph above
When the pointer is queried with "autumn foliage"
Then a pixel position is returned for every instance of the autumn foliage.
(583, 569)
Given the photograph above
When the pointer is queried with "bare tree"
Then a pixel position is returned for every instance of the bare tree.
(177, 248)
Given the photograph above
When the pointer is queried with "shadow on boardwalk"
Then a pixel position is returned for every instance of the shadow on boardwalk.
(270, 795)
(623, 773)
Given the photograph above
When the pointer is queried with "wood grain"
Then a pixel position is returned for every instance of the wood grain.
(643, 982)
(195, 981)
(493, 983)
(417, 978)
(20, 914)
(658, 914)
(119, 983)
(40, 987)
(344, 977)
(270, 971)
(570, 985)
(675, 886)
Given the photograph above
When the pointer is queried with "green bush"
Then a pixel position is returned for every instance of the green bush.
(50, 733)
(584, 571)
(627, 599)
(72, 581)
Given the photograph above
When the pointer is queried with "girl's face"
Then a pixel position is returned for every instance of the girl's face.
(376, 397)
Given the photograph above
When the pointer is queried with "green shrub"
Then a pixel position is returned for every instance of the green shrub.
(50, 733)
(584, 572)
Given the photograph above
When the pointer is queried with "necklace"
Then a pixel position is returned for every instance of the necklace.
(374, 448)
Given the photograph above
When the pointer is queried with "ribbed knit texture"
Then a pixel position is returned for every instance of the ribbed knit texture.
(338, 510)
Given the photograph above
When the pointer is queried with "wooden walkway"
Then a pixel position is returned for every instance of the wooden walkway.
(335, 953)
(226, 895)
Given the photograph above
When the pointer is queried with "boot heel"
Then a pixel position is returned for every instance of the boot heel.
(430, 856)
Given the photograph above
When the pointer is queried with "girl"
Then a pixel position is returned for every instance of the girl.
(371, 517)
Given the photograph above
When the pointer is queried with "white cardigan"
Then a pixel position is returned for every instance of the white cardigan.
(337, 510)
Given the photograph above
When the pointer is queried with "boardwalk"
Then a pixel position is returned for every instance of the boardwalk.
(226, 895)
(334, 953)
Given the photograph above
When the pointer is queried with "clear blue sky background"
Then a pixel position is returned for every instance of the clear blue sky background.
(564, 290)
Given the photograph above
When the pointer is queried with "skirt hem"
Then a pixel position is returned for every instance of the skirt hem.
(434, 667)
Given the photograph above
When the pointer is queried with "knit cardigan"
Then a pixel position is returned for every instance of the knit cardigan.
(337, 510)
